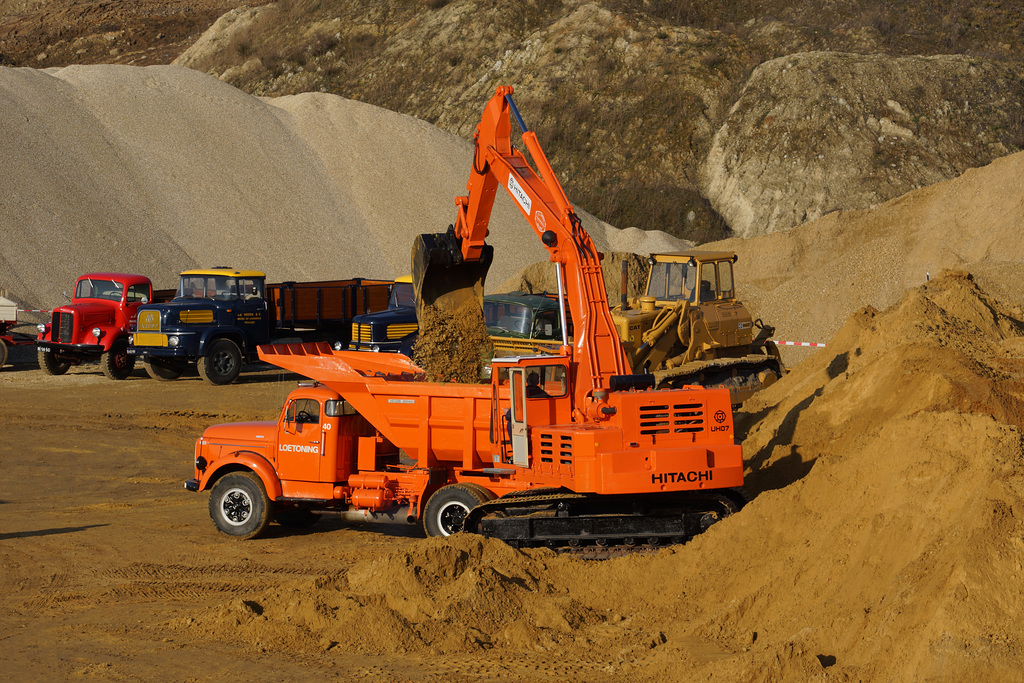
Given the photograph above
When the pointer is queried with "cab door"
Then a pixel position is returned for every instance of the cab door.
(300, 441)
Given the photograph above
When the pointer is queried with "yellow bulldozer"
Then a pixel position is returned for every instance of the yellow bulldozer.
(690, 329)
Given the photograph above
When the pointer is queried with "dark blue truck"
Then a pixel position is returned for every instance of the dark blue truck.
(220, 315)
(393, 329)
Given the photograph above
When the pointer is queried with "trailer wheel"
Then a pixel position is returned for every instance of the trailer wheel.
(239, 505)
(117, 363)
(50, 364)
(446, 510)
(3, 353)
(164, 370)
(222, 363)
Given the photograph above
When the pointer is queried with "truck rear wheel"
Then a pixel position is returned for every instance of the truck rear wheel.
(51, 365)
(117, 363)
(239, 505)
(446, 510)
(164, 370)
(222, 362)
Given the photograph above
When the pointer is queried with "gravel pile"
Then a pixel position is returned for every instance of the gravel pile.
(157, 169)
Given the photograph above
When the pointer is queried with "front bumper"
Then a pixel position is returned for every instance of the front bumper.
(385, 346)
(78, 349)
(192, 485)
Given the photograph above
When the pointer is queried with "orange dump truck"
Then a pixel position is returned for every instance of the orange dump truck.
(568, 449)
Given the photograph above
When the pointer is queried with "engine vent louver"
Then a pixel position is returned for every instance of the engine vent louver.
(679, 418)
(556, 447)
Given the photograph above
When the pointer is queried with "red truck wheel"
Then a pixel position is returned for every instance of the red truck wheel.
(239, 505)
(117, 363)
(447, 508)
(222, 362)
(50, 364)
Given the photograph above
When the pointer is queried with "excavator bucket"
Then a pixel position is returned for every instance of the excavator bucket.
(449, 308)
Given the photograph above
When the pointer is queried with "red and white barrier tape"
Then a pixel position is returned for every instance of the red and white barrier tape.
(35, 310)
(789, 343)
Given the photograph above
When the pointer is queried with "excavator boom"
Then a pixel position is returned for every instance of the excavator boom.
(449, 268)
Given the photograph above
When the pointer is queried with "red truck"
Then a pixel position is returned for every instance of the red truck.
(94, 326)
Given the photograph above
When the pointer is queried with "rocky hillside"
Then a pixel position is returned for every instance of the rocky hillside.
(699, 119)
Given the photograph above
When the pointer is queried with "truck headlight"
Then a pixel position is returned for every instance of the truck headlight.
(131, 339)
(172, 340)
(375, 348)
(338, 346)
(97, 332)
(42, 328)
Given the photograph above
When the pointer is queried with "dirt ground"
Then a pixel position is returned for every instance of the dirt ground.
(102, 548)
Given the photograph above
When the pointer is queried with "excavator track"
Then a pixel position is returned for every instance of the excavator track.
(600, 526)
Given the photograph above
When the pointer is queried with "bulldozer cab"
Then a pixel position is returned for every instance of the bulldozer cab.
(694, 276)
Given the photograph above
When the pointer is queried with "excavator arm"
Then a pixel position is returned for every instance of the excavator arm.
(449, 268)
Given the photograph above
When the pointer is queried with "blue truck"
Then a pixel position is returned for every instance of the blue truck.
(219, 316)
(393, 329)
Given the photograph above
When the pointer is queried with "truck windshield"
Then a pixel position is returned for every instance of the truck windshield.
(221, 287)
(99, 289)
(508, 317)
(672, 281)
(401, 295)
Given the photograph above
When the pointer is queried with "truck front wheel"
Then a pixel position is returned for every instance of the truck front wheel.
(51, 365)
(239, 505)
(222, 362)
(117, 363)
(447, 509)
(164, 370)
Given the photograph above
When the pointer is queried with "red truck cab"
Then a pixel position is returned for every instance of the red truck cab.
(94, 326)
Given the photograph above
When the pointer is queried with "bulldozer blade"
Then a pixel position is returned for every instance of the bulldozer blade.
(449, 307)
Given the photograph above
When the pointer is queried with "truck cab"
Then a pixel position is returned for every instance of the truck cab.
(95, 325)
(217, 316)
(393, 329)
(288, 470)
(520, 323)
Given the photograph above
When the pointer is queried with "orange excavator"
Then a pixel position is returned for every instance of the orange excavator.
(566, 450)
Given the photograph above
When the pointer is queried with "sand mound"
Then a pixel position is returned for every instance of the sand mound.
(807, 281)
(882, 543)
(154, 170)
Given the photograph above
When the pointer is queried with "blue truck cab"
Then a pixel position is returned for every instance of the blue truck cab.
(393, 329)
(219, 316)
